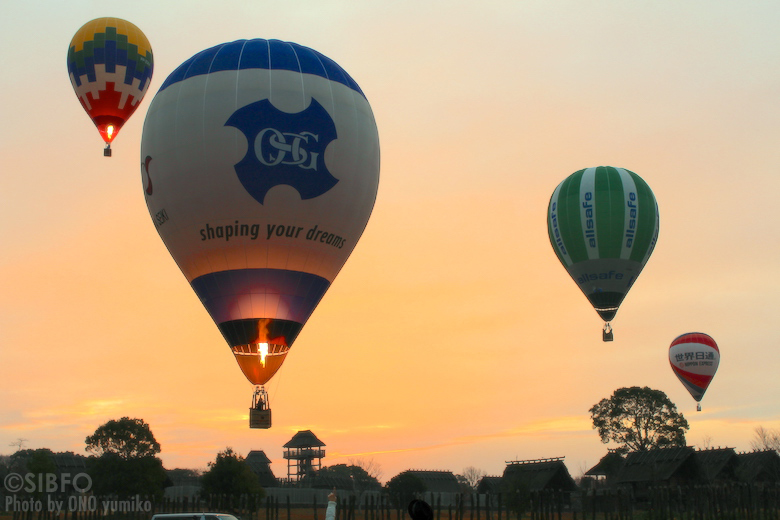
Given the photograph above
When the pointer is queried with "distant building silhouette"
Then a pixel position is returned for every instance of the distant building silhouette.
(261, 466)
(304, 455)
(489, 485)
(683, 466)
(662, 466)
(759, 466)
(717, 465)
(436, 481)
(605, 472)
(540, 474)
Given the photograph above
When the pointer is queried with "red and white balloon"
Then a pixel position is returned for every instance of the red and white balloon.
(694, 358)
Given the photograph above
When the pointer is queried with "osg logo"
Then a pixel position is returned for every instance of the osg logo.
(270, 138)
(284, 148)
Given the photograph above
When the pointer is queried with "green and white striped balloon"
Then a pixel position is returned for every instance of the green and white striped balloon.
(603, 225)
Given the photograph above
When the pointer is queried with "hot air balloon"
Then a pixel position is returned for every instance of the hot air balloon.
(260, 167)
(110, 65)
(603, 225)
(694, 358)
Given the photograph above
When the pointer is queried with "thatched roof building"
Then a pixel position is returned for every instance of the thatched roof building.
(660, 466)
(260, 464)
(608, 468)
(540, 474)
(489, 485)
(437, 481)
(759, 466)
(717, 464)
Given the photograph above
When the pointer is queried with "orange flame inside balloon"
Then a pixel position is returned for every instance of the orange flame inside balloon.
(260, 359)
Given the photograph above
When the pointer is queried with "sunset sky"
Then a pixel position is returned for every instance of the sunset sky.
(452, 337)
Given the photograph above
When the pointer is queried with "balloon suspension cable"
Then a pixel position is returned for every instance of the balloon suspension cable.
(607, 332)
(260, 398)
(107, 150)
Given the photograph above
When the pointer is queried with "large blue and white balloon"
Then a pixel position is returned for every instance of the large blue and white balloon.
(260, 165)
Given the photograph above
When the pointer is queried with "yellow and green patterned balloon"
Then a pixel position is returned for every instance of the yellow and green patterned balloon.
(110, 65)
(603, 225)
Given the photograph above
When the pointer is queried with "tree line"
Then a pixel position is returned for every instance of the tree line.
(124, 460)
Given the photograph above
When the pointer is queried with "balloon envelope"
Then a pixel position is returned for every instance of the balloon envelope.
(603, 225)
(694, 358)
(260, 166)
(110, 65)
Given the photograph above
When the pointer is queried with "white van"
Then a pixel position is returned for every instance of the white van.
(194, 516)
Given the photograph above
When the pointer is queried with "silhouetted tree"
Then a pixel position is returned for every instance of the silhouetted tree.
(404, 487)
(639, 419)
(471, 477)
(38, 463)
(372, 468)
(765, 439)
(124, 461)
(127, 438)
(113, 475)
(230, 475)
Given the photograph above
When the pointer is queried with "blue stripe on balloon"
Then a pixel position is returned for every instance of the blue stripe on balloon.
(110, 56)
(261, 54)
(224, 291)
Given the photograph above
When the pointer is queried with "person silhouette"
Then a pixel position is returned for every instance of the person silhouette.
(420, 510)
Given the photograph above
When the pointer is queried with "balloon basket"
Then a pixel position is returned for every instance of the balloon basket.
(698, 407)
(606, 334)
(260, 412)
(259, 419)
(107, 151)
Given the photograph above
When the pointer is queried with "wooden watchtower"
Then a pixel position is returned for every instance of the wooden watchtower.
(304, 453)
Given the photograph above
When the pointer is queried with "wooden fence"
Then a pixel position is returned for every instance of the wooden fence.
(711, 502)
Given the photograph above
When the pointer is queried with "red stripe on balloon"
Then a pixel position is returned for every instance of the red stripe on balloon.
(696, 337)
(700, 380)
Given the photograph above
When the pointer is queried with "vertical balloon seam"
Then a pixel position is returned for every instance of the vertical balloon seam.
(618, 198)
(311, 292)
(359, 135)
(656, 231)
(212, 267)
(559, 190)
(572, 225)
(236, 134)
(288, 246)
(563, 245)
(303, 107)
(553, 224)
(175, 152)
(230, 270)
(648, 224)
